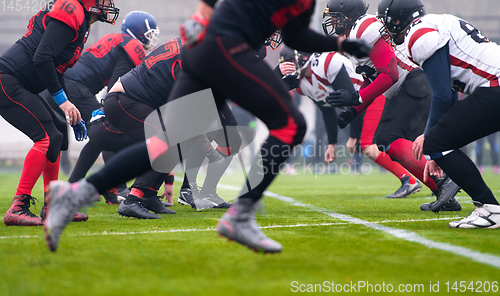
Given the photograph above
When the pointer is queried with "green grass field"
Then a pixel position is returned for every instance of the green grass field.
(393, 246)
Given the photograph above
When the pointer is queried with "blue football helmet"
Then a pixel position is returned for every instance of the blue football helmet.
(142, 26)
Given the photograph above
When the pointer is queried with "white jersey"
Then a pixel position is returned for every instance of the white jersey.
(324, 69)
(368, 29)
(475, 62)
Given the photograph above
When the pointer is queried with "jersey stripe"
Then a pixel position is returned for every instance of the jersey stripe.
(417, 35)
(322, 80)
(459, 63)
(365, 24)
(328, 59)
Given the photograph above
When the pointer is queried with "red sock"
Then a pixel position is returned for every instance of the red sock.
(394, 167)
(34, 164)
(51, 173)
(137, 192)
(401, 150)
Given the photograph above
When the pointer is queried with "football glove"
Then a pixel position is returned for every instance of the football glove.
(345, 117)
(193, 29)
(292, 81)
(80, 130)
(343, 98)
(356, 47)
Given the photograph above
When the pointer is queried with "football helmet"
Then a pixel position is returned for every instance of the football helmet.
(143, 27)
(340, 15)
(396, 15)
(104, 9)
(299, 58)
(275, 40)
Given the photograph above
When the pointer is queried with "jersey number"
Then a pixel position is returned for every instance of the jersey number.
(473, 32)
(68, 7)
(102, 48)
(171, 49)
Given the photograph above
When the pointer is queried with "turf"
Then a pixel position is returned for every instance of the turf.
(112, 255)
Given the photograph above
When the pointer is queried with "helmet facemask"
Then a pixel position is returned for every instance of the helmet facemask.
(274, 41)
(151, 35)
(106, 13)
(335, 23)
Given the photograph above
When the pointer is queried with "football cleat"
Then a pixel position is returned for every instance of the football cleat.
(215, 198)
(446, 191)
(484, 216)
(19, 213)
(151, 202)
(63, 201)
(111, 196)
(135, 209)
(192, 196)
(239, 224)
(185, 197)
(406, 188)
(451, 206)
(79, 217)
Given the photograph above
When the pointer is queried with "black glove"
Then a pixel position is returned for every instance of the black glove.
(367, 72)
(356, 47)
(345, 117)
(343, 98)
(292, 81)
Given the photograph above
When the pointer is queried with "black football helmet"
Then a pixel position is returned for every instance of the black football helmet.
(105, 10)
(340, 15)
(397, 15)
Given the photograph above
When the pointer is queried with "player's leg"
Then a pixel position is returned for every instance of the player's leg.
(26, 112)
(466, 121)
(371, 121)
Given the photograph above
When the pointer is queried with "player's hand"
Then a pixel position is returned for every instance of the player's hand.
(418, 147)
(71, 112)
(343, 98)
(351, 145)
(356, 47)
(168, 193)
(193, 29)
(433, 169)
(345, 117)
(287, 68)
(292, 81)
(330, 153)
(80, 130)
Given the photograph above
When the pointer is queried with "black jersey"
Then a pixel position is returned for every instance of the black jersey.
(96, 65)
(257, 21)
(152, 81)
(19, 58)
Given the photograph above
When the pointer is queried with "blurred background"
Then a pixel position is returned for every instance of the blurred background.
(15, 14)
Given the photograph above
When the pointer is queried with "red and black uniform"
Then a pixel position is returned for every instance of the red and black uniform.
(52, 44)
(100, 65)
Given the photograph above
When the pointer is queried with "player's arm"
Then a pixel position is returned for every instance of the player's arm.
(122, 66)
(193, 29)
(296, 34)
(385, 62)
(437, 70)
(330, 120)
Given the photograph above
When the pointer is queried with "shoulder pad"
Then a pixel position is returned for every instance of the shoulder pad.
(135, 51)
(69, 12)
(367, 28)
(423, 41)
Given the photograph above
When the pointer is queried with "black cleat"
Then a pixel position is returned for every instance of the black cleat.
(445, 193)
(451, 206)
(136, 210)
(406, 188)
(151, 202)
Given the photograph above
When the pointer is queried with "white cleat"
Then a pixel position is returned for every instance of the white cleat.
(484, 216)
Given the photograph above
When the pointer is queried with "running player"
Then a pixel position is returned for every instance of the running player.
(454, 53)
(221, 56)
(53, 43)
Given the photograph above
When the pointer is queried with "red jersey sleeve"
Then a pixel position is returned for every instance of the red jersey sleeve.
(69, 12)
(135, 51)
(384, 60)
